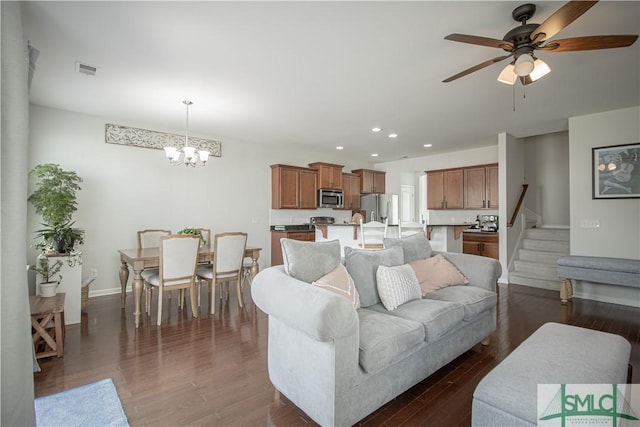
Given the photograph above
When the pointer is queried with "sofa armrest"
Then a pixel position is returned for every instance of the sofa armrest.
(320, 314)
(481, 271)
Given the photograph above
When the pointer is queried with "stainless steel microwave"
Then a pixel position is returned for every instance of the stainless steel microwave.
(330, 199)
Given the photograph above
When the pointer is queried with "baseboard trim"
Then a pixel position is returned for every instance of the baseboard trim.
(110, 291)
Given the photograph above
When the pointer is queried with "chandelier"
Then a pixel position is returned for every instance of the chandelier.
(186, 155)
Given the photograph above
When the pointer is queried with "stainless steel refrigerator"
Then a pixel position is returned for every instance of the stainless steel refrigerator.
(380, 206)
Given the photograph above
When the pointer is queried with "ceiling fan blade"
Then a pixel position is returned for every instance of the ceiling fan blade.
(589, 43)
(560, 19)
(481, 41)
(476, 68)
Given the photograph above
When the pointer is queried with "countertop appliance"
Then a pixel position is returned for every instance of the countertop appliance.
(488, 222)
(330, 199)
(378, 207)
(322, 220)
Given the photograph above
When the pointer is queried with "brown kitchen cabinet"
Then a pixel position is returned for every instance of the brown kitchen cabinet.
(276, 249)
(483, 244)
(481, 187)
(371, 181)
(445, 189)
(329, 175)
(293, 187)
(351, 190)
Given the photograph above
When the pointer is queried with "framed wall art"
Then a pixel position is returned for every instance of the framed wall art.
(616, 171)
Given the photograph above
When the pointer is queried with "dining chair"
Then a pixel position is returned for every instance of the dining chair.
(151, 239)
(177, 270)
(372, 234)
(206, 235)
(227, 265)
(410, 228)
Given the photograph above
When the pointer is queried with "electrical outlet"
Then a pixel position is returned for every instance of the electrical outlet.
(94, 272)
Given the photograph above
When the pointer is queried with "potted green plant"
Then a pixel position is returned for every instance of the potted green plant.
(50, 273)
(194, 231)
(55, 199)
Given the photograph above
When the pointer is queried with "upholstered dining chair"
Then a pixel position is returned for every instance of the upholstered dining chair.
(178, 266)
(151, 239)
(226, 267)
(372, 234)
(410, 228)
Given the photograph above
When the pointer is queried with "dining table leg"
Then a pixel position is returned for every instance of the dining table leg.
(254, 264)
(137, 294)
(124, 278)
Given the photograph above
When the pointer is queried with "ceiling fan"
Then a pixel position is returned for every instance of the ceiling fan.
(522, 41)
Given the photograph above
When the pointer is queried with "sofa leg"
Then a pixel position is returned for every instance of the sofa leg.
(486, 341)
(566, 290)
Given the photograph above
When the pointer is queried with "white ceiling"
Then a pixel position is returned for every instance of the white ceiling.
(322, 73)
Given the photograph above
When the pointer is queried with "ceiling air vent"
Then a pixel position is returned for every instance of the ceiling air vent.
(89, 70)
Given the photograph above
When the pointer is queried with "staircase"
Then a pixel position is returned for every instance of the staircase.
(536, 261)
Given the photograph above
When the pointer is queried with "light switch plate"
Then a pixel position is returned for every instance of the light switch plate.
(589, 223)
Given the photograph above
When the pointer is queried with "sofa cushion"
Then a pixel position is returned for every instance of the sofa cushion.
(308, 261)
(340, 282)
(414, 247)
(437, 272)
(362, 265)
(437, 317)
(397, 285)
(474, 300)
(384, 339)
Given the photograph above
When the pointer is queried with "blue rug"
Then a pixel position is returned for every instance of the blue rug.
(95, 404)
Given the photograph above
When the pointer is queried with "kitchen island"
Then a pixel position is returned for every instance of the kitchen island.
(347, 233)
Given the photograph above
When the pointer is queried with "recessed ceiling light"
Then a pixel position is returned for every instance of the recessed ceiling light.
(339, 148)
(393, 135)
(376, 129)
(427, 145)
(374, 155)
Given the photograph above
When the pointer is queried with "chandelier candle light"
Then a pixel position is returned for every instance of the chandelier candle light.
(186, 155)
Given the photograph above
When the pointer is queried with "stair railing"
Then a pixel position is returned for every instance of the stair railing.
(518, 206)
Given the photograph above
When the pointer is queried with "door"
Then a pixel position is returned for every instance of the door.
(407, 203)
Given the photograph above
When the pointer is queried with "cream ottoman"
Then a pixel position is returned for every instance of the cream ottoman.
(554, 354)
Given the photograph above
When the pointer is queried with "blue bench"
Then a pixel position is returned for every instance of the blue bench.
(610, 271)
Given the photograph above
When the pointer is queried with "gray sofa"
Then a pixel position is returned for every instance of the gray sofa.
(339, 364)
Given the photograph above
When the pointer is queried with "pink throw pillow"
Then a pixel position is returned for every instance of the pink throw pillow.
(339, 281)
(437, 272)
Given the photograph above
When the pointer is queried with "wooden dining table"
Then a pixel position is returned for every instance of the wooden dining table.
(139, 259)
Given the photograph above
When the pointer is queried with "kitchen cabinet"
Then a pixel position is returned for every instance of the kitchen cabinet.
(276, 249)
(479, 243)
(445, 189)
(481, 187)
(371, 181)
(329, 175)
(351, 190)
(293, 187)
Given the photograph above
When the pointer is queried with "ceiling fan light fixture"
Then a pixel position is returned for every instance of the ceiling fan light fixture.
(540, 69)
(507, 75)
(524, 65)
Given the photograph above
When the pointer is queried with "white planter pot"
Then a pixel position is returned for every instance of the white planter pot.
(48, 289)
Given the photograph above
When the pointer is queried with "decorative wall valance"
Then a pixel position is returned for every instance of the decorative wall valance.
(124, 135)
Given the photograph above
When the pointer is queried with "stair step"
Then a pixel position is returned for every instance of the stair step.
(535, 282)
(541, 271)
(547, 234)
(546, 245)
(549, 258)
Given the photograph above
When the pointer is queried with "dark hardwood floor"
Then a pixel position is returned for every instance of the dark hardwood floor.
(213, 370)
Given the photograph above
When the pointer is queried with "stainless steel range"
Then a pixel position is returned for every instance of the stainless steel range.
(322, 220)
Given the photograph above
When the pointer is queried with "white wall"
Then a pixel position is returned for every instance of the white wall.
(547, 173)
(510, 180)
(619, 232)
(126, 189)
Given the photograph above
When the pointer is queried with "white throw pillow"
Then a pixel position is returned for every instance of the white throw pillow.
(397, 285)
(339, 281)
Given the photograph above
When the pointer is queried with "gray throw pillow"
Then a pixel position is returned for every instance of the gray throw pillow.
(362, 265)
(309, 261)
(415, 247)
